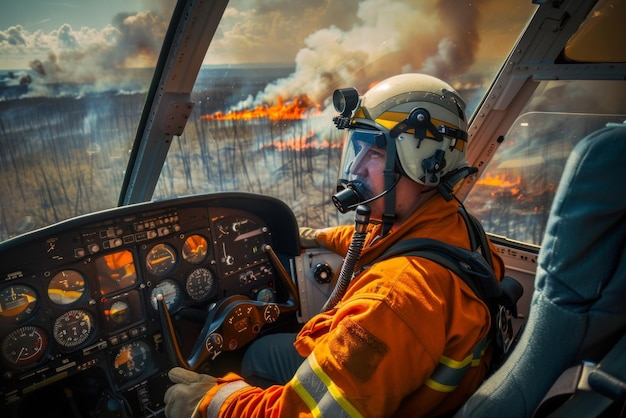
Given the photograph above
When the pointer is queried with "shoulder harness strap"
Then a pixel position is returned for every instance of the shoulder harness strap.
(475, 268)
(468, 265)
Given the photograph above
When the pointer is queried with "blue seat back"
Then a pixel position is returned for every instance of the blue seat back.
(577, 310)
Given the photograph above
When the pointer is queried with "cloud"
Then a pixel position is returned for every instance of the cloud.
(14, 36)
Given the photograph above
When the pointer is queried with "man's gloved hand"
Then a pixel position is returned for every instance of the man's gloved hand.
(182, 399)
(307, 237)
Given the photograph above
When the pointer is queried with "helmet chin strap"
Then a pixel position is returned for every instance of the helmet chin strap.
(389, 174)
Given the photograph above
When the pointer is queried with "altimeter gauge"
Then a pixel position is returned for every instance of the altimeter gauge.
(200, 284)
(72, 328)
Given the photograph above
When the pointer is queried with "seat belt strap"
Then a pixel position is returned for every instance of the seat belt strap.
(597, 387)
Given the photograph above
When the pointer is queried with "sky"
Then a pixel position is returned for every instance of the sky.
(33, 29)
(48, 15)
(330, 42)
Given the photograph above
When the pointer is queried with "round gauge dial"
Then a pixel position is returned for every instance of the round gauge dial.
(265, 295)
(25, 346)
(195, 249)
(17, 302)
(131, 359)
(118, 313)
(72, 328)
(200, 284)
(66, 287)
(171, 292)
(161, 259)
(271, 312)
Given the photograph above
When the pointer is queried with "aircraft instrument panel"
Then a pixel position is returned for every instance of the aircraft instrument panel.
(81, 296)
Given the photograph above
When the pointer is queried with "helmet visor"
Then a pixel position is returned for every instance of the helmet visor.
(357, 146)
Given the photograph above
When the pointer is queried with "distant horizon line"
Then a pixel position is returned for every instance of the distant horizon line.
(241, 65)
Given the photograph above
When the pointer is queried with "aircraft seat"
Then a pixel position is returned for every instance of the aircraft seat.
(577, 312)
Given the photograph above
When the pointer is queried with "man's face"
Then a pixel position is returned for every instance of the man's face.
(368, 168)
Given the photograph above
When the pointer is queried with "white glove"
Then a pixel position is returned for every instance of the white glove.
(307, 237)
(182, 399)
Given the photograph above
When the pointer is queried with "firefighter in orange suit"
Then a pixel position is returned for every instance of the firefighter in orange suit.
(401, 337)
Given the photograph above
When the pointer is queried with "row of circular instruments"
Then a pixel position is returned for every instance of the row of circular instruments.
(27, 344)
(18, 301)
(162, 258)
(161, 261)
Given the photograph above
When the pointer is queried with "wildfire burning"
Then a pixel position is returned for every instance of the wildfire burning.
(298, 108)
(301, 107)
(502, 182)
(499, 181)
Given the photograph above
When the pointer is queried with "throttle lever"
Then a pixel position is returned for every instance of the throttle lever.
(285, 278)
(171, 342)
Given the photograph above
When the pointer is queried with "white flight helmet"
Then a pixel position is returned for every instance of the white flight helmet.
(422, 115)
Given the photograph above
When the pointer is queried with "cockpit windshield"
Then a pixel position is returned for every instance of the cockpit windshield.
(74, 78)
(73, 81)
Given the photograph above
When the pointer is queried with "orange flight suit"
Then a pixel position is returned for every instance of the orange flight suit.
(405, 340)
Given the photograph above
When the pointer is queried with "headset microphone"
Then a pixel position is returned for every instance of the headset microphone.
(350, 197)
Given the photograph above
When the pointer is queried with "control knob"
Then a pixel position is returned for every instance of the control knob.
(322, 273)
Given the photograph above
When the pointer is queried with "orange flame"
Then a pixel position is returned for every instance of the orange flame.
(499, 181)
(502, 182)
(301, 107)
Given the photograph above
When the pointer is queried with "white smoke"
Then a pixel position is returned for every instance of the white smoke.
(346, 43)
(389, 37)
(97, 59)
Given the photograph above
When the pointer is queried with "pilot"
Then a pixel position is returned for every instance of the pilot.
(403, 336)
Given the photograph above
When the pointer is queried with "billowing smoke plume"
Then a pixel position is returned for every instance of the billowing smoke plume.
(94, 59)
(98, 57)
(434, 37)
(349, 43)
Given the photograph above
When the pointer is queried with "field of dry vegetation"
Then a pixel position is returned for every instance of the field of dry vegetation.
(65, 156)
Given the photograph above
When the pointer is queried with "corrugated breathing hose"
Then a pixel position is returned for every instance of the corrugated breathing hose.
(361, 220)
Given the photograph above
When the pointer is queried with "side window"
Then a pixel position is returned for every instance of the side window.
(513, 196)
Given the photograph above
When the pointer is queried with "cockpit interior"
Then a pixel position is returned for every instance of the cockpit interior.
(158, 158)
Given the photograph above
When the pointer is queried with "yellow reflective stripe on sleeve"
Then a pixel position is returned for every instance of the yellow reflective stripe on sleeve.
(449, 373)
(333, 389)
(479, 351)
(306, 398)
(320, 394)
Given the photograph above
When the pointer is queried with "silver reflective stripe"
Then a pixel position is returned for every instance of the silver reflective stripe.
(449, 373)
(222, 394)
(319, 392)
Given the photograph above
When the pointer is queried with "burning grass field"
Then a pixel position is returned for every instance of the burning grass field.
(292, 158)
(65, 156)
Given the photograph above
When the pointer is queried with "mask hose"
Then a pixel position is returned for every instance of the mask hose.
(361, 220)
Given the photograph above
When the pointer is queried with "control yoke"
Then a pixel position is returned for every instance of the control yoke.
(231, 324)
